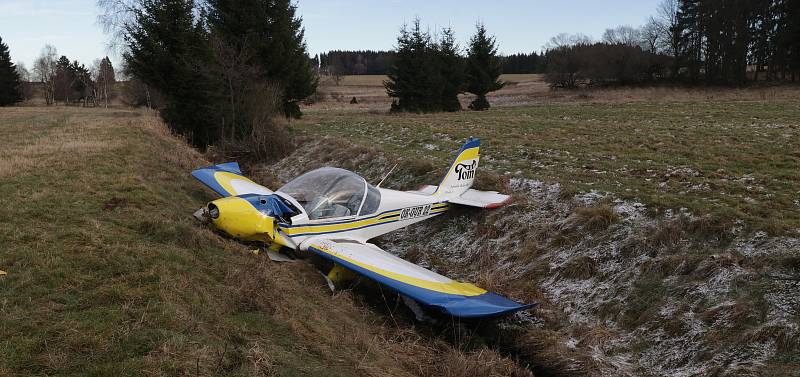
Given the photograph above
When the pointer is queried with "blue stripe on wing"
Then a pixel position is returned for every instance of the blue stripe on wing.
(485, 305)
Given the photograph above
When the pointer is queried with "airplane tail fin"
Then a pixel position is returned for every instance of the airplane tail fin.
(461, 174)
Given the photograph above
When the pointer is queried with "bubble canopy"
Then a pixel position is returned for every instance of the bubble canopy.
(333, 192)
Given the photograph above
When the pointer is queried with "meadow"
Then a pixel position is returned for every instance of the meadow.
(109, 274)
(733, 155)
(657, 227)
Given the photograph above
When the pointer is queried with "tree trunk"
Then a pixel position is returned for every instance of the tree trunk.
(233, 109)
(147, 94)
(105, 89)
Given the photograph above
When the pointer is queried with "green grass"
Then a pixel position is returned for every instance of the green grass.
(730, 159)
(108, 273)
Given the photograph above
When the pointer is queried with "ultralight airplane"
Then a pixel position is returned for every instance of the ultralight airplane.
(333, 212)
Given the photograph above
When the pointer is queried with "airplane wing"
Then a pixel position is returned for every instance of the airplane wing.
(425, 286)
(472, 198)
(227, 180)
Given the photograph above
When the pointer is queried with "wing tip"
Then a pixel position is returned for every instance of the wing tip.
(502, 203)
(206, 176)
(486, 305)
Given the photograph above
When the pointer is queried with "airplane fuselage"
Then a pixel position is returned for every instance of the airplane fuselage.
(397, 210)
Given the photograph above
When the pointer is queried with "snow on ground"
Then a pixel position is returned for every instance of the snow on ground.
(698, 300)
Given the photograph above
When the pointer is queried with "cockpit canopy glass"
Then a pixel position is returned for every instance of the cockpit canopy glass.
(332, 192)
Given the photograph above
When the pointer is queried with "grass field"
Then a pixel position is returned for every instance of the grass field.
(656, 227)
(371, 94)
(108, 273)
(377, 80)
(733, 160)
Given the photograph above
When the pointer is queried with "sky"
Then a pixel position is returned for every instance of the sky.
(519, 26)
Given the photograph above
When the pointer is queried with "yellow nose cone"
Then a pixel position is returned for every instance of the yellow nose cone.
(240, 219)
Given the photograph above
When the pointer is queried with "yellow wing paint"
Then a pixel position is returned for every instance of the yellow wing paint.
(224, 179)
(453, 288)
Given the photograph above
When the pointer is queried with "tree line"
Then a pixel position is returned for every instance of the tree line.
(522, 63)
(368, 62)
(71, 81)
(58, 79)
(687, 41)
(428, 74)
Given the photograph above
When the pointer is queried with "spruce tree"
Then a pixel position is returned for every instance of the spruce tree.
(415, 79)
(10, 86)
(451, 70)
(166, 51)
(483, 68)
(271, 34)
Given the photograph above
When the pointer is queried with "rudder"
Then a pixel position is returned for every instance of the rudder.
(461, 175)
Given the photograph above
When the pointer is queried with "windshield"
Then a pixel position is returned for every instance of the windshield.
(330, 192)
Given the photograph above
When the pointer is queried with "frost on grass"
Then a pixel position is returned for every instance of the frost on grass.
(642, 296)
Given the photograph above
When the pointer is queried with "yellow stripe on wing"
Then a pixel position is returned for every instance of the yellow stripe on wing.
(453, 287)
(224, 179)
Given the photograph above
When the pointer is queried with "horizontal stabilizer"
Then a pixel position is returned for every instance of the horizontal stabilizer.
(473, 198)
(227, 180)
(426, 287)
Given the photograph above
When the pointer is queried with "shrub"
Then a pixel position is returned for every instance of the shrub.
(596, 218)
(580, 64)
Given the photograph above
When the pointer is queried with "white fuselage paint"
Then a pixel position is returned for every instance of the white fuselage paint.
(412, 208)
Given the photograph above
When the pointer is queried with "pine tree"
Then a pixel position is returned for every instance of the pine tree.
(416, 79)
(483, 68)
(788, 38)
(271, 34)
(451, 70)
(10, 86)
(166, 50)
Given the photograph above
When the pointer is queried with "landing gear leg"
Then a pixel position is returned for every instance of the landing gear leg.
(340, 275)
(275, 255)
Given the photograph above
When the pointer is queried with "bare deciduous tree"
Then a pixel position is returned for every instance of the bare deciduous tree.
(669, 30)
(45, 68)
(566, 40)
(117, 18)
(622, 35)
(335, 73)
(104, 79)
(650, 36)
(25, 79)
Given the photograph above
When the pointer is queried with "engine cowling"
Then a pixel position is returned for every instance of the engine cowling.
(238, 218)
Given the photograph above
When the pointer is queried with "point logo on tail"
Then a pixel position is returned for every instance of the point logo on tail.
(466, 171)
